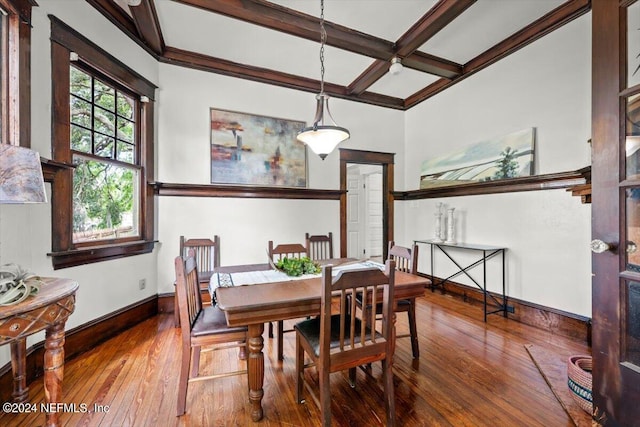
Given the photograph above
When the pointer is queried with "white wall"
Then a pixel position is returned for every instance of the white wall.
(546, 85)
(246, 225)
(25, 230)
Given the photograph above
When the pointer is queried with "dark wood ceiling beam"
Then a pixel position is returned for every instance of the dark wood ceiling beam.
(368, 77)
(198, 61)
(115, 14)
(121, 20)
(435, 87)
(147, 25)
(430, 24)
(433, 21)
(289, 21)
(553, 20)
(421, 61)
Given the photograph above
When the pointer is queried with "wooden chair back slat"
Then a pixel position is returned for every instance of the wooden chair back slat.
(286, 250)
(319, 246)
(206, 252)
(406, 258)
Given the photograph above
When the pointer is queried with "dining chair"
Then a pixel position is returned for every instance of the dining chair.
(320, 246)
(336, 342)
(276, 253)
(207, 255)
(406, 260)
(201, 326)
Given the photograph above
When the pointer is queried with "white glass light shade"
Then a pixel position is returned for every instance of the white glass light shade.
(324, 139)
(21, 179)
(396, 66)
(324, 135)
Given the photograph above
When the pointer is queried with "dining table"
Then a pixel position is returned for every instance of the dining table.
(272, 297)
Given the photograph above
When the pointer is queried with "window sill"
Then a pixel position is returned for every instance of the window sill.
(89, 255)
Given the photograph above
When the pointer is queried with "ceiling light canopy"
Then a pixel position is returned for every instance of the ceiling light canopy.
(324, 135)
(396, 66)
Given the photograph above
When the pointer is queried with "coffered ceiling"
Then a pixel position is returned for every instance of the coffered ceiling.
(277, 42)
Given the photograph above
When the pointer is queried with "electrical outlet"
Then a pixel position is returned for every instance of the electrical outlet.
(142, 284)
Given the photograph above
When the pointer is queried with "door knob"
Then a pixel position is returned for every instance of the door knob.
(631, 247)
(598, 246)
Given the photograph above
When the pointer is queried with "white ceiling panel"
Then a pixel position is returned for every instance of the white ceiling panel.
(215, 35)
(404, 84)
(385, 19)
(484, 24)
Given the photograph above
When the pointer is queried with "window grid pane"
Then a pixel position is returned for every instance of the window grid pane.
(106, 113)
(105, 193)
(105, 200)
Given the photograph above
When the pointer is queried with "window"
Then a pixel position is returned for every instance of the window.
(102, 129)
(104, 151)
(15, 75)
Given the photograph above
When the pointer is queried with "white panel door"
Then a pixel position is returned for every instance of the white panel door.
(374, 214)
(355, 222)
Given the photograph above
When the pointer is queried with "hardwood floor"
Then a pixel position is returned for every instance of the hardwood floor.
(469, 374)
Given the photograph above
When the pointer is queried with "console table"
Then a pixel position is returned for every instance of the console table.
(49, 310)
(485, 252)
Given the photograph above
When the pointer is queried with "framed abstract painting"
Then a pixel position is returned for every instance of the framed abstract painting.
(249, 149)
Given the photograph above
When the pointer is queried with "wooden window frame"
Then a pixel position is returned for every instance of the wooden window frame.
(15, 66)
(64, 42)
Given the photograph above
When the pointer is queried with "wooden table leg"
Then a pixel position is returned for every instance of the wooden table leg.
(53, 368)
(256, 370)
(19, 369)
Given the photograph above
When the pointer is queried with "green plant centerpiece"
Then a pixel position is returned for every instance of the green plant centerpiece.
(298, 266)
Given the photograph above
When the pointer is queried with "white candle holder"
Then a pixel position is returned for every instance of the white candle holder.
(438, 231)
(450, 227)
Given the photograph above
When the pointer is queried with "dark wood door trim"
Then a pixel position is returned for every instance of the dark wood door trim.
(615, 386)
(386, 160)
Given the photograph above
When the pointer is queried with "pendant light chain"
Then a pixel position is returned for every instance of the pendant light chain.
(323, 39)
(323, 135)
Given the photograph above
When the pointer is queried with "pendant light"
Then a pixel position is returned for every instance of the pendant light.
(323, 136)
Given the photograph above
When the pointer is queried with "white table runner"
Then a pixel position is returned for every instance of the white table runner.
(225, 280)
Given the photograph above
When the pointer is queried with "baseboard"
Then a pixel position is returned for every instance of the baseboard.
(81, 339)
(555, 321)
(166, 301)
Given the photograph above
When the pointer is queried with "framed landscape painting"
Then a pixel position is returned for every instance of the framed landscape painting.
(249, 149)
(509, 156)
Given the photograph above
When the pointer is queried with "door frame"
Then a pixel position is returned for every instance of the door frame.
(615, 385)
(386, 160)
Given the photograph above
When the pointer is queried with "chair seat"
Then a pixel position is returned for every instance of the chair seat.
(211, 321)
(310, 330)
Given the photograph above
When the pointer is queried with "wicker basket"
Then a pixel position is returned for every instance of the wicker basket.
(580, 382)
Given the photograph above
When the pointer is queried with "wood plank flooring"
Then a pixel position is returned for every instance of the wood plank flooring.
(469, 374)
